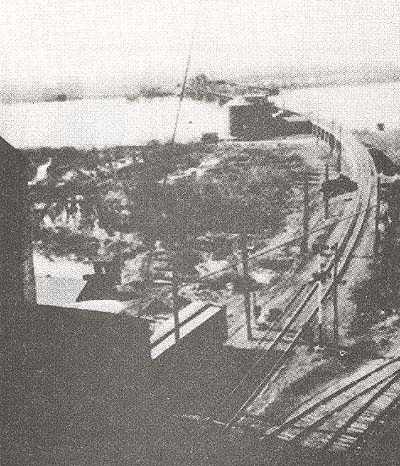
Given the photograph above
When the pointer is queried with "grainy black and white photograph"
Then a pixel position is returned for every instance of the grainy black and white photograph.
(200, 232)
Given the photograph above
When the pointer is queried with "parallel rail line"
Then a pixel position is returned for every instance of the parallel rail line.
(338, 420)
(303, 307)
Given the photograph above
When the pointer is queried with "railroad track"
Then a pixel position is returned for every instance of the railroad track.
(302, 309)
(337, 419)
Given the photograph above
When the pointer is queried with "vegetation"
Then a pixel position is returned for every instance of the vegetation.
(152, 92)
(378, 297)
(127, 190)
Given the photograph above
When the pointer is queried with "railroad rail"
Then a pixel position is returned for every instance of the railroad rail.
(303, 308)
(337, 419)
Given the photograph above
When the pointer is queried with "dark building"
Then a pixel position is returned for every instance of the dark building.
(17, 278)
(252, 120)
(296, 124)
(73, 376)
(254, 117)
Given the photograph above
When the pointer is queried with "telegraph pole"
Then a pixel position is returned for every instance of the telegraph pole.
(339, 155)
(320, 296)
(377, 213)
(246, 290)
(175, 296)
(332, 138)
(325, 193)
(306, 215)
(317, 131)
(335, 294)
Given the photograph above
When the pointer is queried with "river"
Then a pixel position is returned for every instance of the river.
(108, 122)
(354, 106)
(116, 121)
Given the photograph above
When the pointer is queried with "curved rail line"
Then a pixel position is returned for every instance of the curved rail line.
(303, 307)
(362, 438)
(337, 420)
(309, 407)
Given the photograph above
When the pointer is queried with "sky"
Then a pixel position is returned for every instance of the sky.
(94, 41)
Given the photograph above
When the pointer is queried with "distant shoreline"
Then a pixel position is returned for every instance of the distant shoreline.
(97, 123)
(160, 92)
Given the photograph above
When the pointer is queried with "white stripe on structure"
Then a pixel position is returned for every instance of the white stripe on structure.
(188, 325)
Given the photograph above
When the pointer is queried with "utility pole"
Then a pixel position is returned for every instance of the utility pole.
(246, 290)
(339, 155)
(325, 193)
(175, 296)
(306, 215)
(377, 213)
(320, 295)
(332, 138)
(335, 294)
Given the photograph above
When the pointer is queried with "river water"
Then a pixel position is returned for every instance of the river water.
(110, 122)
(354, 106)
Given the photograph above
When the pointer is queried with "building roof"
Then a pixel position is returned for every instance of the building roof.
(190, 318)
(296, 119)
(386, 141)
(238, 101)
(110, 306)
